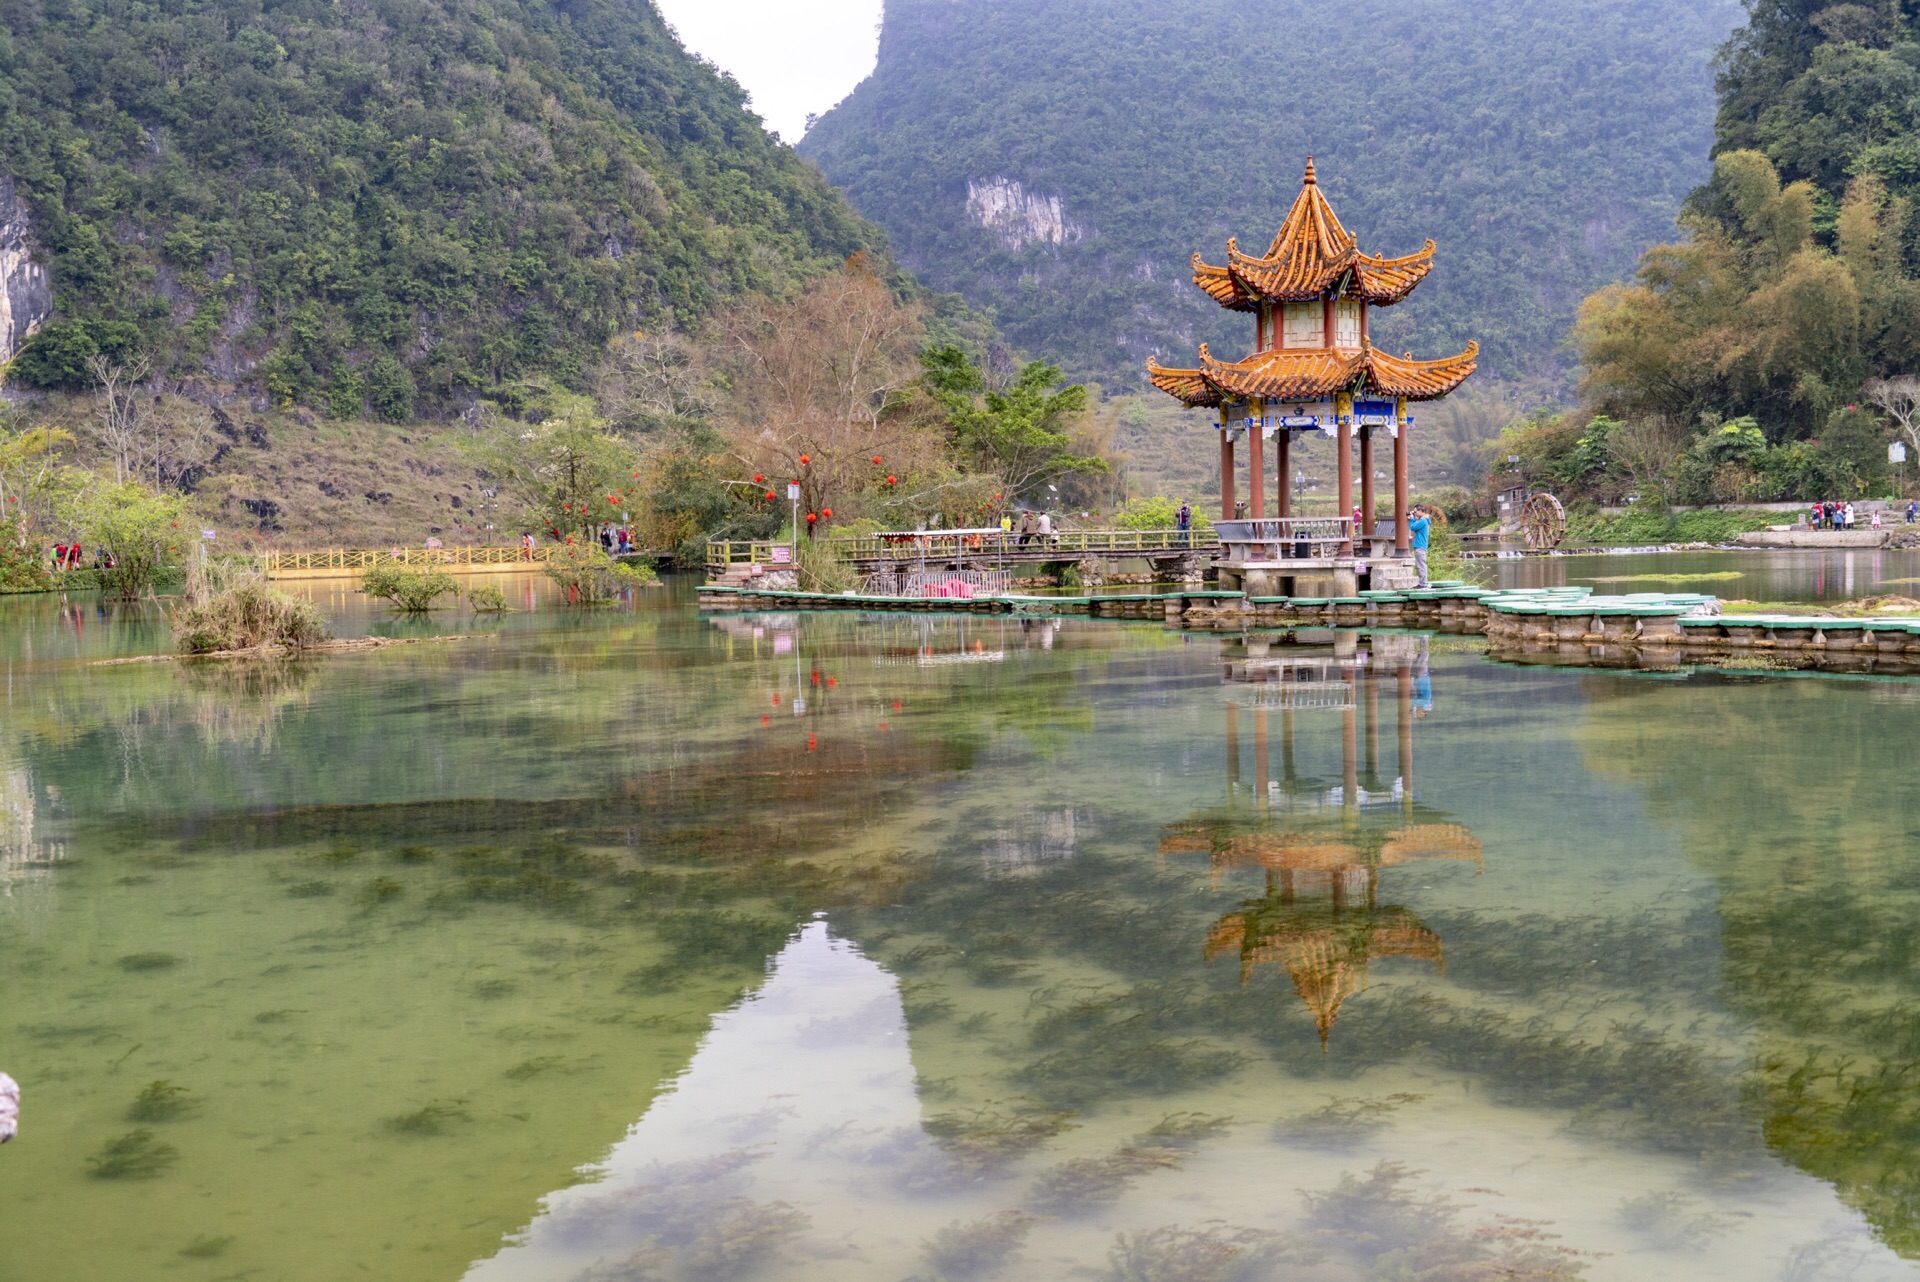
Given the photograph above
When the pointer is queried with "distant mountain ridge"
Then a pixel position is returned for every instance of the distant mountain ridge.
(351, 203)
(1057, 161)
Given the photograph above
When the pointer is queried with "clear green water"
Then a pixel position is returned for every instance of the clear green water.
(1808, 575)
(642, 945)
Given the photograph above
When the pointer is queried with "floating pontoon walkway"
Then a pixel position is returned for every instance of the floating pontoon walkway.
(1568, 624)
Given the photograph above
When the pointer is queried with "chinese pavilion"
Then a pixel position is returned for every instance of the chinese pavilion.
(1313, 368)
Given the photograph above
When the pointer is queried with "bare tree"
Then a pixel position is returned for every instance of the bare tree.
(820, 388)
(1899, 396)
(659, 374)
(120, 416)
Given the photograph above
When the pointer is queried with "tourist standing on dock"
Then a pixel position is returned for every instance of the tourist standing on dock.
(1183, 522)
(1417, 526)
(1913, 510)
(1849, 516)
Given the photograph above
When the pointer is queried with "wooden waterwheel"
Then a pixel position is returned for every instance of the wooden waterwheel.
(1544, 522)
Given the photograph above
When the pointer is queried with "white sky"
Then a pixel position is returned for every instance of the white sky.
(793, 56)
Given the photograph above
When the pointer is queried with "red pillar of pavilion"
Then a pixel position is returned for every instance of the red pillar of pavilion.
(1403, 427)
(1365, 533)
(1256, 466)
(1226, 468)
(1343, 468)
(1283, 471)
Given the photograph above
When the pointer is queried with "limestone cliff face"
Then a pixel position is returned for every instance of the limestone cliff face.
(1018, 216)
(26, 287)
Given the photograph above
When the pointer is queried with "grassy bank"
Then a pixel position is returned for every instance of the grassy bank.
(1654, 525)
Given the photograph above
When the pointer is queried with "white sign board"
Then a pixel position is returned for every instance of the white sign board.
(1897, 452)
(793, 492)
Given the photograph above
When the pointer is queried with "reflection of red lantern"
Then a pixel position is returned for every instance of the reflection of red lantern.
(805, 461)
(896, 705)
(758, 479)
(765, 720)
(833, 682)
(813, 742)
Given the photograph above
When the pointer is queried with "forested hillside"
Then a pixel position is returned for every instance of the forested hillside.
(1058, 160)
(1772, 350)
(386, 204)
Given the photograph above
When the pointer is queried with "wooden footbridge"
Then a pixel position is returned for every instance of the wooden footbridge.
(980, 549)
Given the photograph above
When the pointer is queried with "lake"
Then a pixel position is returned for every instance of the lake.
(1823, 574)
(634, 944)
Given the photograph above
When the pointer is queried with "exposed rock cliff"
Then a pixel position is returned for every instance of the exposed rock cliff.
(1020, 217)
(26, 287)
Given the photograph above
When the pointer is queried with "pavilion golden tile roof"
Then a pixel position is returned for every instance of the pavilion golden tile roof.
(1310, 255)
(1312, 374)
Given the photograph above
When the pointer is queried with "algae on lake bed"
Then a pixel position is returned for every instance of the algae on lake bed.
(832, 949)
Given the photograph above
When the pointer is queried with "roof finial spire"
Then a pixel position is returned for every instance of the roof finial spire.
(1311, 180)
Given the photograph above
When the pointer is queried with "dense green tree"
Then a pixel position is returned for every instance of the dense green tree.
(1022, 433)
(373, 200)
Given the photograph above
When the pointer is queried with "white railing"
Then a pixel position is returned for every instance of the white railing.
(950, 584)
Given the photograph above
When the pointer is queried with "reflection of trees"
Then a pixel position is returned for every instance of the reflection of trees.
(1789, 795)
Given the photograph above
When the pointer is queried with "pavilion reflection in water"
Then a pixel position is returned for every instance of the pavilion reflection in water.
(1322, 846)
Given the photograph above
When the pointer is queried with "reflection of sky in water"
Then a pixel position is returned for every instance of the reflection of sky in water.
(792, 1148)
(806, 1086)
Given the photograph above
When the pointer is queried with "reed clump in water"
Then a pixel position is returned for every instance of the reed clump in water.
(137, 1155)
(162, 1101)
(1213, 1252)
(1086, 1183)
(985, 1140)
(965, 1252)
(248, 615)
(1341, 1123)
(435, 1118)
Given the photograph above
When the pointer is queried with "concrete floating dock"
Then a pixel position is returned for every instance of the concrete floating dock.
(1554, 625)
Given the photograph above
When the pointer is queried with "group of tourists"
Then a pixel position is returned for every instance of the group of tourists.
(1032, 526)
(615, 540)
(1834, 516)
(70, 556)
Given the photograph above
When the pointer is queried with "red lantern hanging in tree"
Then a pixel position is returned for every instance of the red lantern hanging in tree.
(876, 460)
(893, 480)
(811, 518)
(805, 461)
(769, 496)
(759, 479)
(826, 514)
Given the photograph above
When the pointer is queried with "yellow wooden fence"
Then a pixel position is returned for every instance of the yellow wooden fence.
(350, 560)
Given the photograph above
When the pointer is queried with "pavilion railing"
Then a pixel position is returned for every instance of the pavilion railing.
(1284, 538)
(917, 545)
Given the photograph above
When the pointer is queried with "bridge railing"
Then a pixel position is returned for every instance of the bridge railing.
(938, 544)
(272, 563)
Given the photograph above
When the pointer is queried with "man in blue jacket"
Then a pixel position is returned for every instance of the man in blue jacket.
(1418, 523)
